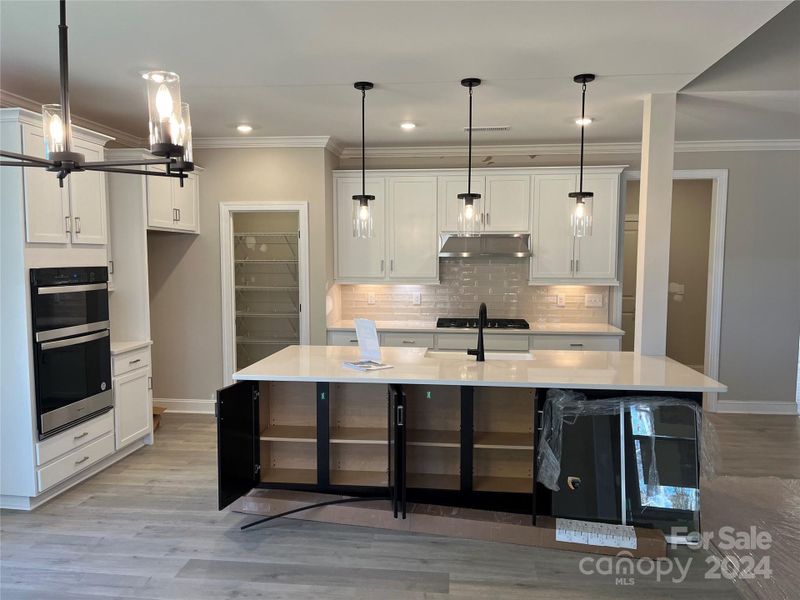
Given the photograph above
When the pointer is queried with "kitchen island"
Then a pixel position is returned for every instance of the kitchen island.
(439, 428)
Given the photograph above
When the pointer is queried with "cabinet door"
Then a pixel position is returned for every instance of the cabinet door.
(413, 233)
(596, 255)
(237, 441)
(552, 229)
(159, 201)
(133, 407)
(360, 259)
(508, 203)
(397, 450)
(185, 202)
(87, 194)
(450, 187)
(46, 204)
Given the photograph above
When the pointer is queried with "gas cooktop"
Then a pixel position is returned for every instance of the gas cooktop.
(470, 323)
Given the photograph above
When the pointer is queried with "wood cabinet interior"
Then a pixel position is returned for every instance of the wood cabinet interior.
(359, 434)
(503, 439)
(288, 417)
(433, 467)
(433, 416)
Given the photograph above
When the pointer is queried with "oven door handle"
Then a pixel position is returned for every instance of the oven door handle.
(74, 341)
(69, 289)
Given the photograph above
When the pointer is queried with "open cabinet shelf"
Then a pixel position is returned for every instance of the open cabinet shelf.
(360, 478)
(303, 476)
(359, 435)
(488, 483)
(289, 433)
(503, 440)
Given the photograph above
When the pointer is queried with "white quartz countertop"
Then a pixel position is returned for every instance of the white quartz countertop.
(536, 328)
(548, 368)
(122, 346)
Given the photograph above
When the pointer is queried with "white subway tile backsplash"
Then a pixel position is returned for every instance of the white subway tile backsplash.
(464, 284)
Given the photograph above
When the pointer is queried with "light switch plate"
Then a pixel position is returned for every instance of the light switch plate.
(416, 298)
(593, 300)
(370, 298)
(561, 300)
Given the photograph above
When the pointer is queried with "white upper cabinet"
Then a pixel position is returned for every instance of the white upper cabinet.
(596, 255)
(170, 206)
(507, 203)
(46, 204)
(450, 186)
(359, 259)
(413, 249)
(87, 192)
(76, 213)
(552, 233)
(558, 256)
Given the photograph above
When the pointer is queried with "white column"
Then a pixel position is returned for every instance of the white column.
(655, 210)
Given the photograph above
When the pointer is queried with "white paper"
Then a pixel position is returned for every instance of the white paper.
(368, 343)
(595, 534)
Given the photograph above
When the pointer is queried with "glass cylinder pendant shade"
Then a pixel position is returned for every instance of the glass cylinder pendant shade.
(164, 106)
(186, 132)
(362, 216)
(582, 216)
(470, 215)
(53, 128)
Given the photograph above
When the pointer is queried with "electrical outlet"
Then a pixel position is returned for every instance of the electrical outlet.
(561, 300)
(593, 300)
(416, 298)
(370, 298)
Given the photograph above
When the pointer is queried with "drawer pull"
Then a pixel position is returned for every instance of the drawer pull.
(576, 345)
(81, 436)
(353, 341)
(133, 362)
(81, 461)
(409, 342)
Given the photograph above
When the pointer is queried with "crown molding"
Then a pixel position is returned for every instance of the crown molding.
(12, 100)
(571, 149)
(304, 141)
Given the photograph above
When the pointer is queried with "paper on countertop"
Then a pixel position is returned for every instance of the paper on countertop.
(366, 365)
(368, 344)
(595, 534)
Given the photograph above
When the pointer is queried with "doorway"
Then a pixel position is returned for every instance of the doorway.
(690, 234)
(264, 250)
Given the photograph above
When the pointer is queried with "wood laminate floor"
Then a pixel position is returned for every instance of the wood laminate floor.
(148, 527)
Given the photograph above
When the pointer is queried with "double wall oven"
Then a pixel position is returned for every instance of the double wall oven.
(72, 346)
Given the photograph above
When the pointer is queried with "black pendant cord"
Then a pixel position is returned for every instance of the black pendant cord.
(469, 151)
(583, 130)
(309, 507)
(63, 67)
(363, 144)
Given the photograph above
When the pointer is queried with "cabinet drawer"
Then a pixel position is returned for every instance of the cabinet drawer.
(491, 341)
(576, 342)
(407, 340)
(342, 338)
(74, 462)
(77, 436)
(136, 359)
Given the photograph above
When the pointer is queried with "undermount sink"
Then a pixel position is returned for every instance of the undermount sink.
(462, 355)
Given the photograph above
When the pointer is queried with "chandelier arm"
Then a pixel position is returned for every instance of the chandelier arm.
(127, 163)
(135, 172)
(42, 162)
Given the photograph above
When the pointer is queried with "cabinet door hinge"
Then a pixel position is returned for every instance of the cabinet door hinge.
(255, 394)
(256, 470)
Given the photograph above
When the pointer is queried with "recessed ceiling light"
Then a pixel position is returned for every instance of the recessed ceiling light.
(408, 125)
(584, 121)
(244, 128)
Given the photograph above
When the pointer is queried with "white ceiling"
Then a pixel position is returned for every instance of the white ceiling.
(288, 67)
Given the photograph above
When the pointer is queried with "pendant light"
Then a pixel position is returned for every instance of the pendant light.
(581, 218)
(170, 137)
(362, 209)
(470, 216)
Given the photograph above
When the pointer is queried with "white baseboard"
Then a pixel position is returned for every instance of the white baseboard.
(756, 407)
(186, 405)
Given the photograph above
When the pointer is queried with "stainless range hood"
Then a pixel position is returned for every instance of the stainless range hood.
(508, 245)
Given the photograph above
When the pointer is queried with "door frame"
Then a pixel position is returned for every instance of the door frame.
(716, 260)
(226, 210)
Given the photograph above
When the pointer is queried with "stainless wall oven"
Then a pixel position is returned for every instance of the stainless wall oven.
(72, 345)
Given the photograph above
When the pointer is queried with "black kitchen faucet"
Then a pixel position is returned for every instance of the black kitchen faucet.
(482, 319)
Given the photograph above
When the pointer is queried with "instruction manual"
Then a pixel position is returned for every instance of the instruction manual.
(368, 346)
